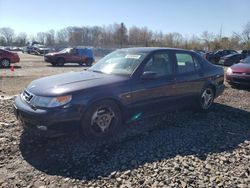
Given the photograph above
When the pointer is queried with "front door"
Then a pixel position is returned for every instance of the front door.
(151, 94)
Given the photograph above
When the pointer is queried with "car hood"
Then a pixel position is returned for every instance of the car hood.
(43, 48)
(54, 53)
(71, 82)
(241, 67)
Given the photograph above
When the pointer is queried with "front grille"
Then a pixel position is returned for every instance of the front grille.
(243, 80)
(242, 73)
(27, 96)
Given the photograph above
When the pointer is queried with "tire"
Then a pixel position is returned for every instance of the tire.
(5, 63)
(60, 62)
(53, 64)
(206, 99)
(81, 64)
(89, 62)
(101, 121)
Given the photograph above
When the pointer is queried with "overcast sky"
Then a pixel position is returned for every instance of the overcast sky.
(187, 17)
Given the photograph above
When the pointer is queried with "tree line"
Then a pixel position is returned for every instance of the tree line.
(118, 36)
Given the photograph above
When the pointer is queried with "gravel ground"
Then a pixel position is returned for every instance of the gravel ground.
(181, 149)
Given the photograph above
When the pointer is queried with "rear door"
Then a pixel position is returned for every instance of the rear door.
(189, 77)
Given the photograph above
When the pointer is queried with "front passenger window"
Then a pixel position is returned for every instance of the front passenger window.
(160, 64)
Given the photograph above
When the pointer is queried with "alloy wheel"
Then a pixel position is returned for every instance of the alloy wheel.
(207, 98)
(5, 63)
(102, 120)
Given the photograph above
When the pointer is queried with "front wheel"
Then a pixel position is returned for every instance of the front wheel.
(5, 63)
(101, 120)
(206, 99)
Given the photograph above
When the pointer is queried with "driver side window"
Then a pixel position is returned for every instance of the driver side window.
(160, 64)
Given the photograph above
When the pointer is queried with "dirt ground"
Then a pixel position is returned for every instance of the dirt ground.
(29, 68)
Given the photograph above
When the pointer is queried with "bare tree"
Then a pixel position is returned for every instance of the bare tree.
(207, 38)
(41, 37)
(120, 34)
(21, 39)
(246, 35)
(62, 36)
(8, 34)
(50, 38)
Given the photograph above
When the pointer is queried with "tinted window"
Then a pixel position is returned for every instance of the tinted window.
(159, 63)
(186, 63)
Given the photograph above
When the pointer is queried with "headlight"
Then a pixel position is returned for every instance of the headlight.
(229, 70)
(51, 101)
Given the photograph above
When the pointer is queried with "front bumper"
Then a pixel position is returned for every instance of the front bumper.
(239, 79)
(47, 122)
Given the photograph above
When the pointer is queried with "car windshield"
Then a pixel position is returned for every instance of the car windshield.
(39, 46)
(120, 62)
(65, 50)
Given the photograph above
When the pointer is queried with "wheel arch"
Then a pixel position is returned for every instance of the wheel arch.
(211, 84)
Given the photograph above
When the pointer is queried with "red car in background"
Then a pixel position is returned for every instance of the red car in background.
(7, 57)
(239, 74)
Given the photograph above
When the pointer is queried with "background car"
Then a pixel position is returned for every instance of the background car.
(245, 53)
(7, 57)
(124, 86)
(214, 57)
(79, 55)
(239, 74)
(231, 59)
(37, 49)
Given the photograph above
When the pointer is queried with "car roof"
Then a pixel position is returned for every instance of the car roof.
(152, 49)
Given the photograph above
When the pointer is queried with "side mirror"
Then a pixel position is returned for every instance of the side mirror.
(149, 75)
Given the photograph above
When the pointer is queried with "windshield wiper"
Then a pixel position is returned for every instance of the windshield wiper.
(98, 71)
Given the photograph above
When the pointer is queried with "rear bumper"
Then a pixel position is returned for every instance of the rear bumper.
(46, 122)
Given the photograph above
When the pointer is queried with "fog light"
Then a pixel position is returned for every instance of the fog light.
(42, 128)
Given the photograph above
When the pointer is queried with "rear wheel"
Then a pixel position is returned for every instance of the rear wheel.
(81, 63)
(101, 120)
(60, 62)
(89, 62)
(206, 99)
(5, 63)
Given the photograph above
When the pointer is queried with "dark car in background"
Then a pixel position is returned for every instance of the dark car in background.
(231, 59)
(124, 86)
(239, 74)
(7, 57)
(77, 55)
(214, 57)
(36, 49)
(245, 53)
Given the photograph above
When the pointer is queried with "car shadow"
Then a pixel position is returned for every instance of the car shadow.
(155, 139)
(15, 67)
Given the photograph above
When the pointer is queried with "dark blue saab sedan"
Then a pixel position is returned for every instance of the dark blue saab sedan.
(126, 85)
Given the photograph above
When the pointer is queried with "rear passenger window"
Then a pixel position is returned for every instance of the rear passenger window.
(186, 63)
